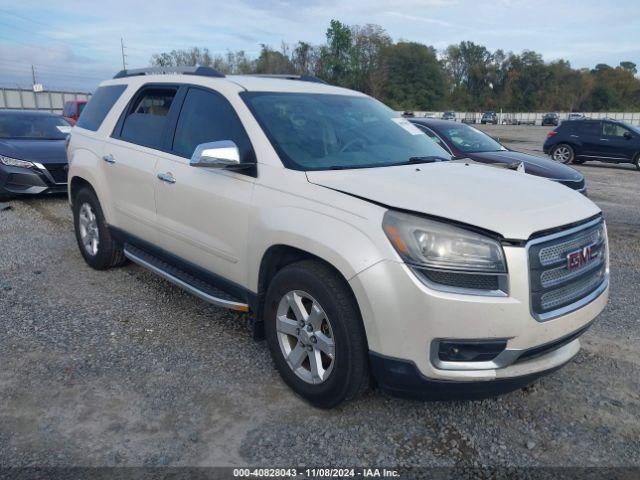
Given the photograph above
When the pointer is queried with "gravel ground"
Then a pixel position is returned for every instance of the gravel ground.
(122, 368)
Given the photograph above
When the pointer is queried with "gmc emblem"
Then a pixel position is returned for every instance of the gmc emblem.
(581, 257)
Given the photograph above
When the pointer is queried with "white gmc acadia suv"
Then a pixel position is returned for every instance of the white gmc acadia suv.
(360, 248)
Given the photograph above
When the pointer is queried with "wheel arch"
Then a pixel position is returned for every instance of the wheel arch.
(75, 185)
(274, 259)
(80, 180)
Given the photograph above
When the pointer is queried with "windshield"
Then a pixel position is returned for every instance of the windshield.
(322, 132)
(469, 139)
(33, 127)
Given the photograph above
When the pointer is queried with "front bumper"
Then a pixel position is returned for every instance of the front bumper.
(404, 319)
(16, 181)
(402, 378)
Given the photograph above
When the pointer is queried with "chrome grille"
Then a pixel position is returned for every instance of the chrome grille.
(556, 288)
(557, 252)
(559, 275)
(569, 293)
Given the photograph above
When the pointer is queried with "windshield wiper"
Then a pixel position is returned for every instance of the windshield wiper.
(422, 159)
(412, 160)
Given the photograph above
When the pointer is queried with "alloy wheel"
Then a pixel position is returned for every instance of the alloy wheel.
(562, 154)
(88, 226)
(305, 336)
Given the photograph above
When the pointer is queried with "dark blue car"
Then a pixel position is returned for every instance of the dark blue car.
(33, 159)
(463, 141)
(578, 141)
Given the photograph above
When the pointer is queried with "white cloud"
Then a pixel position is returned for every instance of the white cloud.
(84, 37)
(417, 18)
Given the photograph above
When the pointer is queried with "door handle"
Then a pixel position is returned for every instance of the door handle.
(109, 158)
(604, 139)
(167, 177)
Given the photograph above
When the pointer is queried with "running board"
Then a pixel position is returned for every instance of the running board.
(188, 282)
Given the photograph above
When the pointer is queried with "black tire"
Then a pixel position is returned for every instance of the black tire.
(636, 162)
(109, 253)
(349, 376)
(559, 152)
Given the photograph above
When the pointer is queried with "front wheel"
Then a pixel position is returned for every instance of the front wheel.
(315, 334)
(636, 162)
(563, 153)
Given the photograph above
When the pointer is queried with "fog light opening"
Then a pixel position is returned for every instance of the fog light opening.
(470, 350)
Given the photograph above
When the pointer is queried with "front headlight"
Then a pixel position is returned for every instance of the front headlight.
(447, 255)
(14, 162)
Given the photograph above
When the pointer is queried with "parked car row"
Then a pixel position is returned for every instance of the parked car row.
(492, 117)
(582, 140)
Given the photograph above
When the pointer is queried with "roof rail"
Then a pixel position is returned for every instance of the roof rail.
(201, 71)
(287, 76)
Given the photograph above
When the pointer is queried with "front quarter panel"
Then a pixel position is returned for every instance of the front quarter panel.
(84, 163)
(342, 230)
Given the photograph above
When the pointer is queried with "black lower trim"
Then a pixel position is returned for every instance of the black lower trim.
(233, 289)
(18, 181)
(402, 378)
(546, 348)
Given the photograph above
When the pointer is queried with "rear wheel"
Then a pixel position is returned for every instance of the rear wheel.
(636, 162)
(94, 239)
(315, 334)
(563, 153)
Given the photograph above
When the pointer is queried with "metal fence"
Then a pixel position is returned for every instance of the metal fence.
(26, 99)
(534, 118)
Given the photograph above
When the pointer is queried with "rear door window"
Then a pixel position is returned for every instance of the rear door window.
(590, 129)
(146, 118)
(613, 130)
(99, 106)
(206, 116)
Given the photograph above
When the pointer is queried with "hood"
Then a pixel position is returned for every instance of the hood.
(507, 202)
(42, 151)
(540, 166)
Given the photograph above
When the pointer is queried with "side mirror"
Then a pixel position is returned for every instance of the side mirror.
(627, 135)
(223, 154)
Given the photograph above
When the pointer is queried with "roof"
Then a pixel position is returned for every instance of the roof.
(208, 76)
(269, 84)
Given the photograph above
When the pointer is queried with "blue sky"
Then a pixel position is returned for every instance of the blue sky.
(76, 44)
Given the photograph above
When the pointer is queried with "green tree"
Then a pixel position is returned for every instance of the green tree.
(368, 74)
(304, 58)
(409, 75)
(335, 55)
(272, 61)
(415, 77)
(629, 67)
(183, 58)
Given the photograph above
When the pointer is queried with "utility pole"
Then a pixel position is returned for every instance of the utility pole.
(33, 75)
(124, 63)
